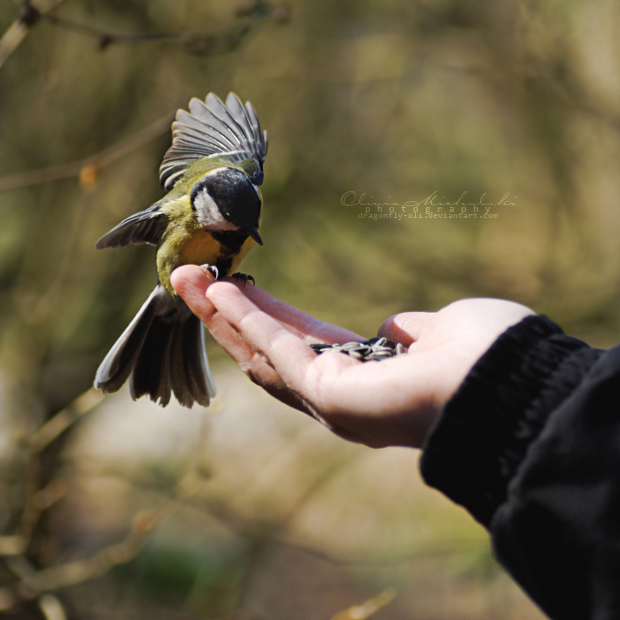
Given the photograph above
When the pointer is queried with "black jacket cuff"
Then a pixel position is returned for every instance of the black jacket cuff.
(486, 428)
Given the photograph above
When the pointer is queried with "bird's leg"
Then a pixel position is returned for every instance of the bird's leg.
(211, 268)
(245, 277)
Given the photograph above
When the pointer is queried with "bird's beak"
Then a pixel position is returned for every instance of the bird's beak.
(253, 232)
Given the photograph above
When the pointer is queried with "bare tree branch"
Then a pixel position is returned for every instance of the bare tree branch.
(34, 583)
(39, 500)
(51, 607)
(368, 608)
(29, 16)
(11, 545)
(106, 38)
(197, 43)
(64, 419)
(87, 169)
(39, 584)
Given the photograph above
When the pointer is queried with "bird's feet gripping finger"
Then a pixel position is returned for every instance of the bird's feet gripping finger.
(245, 277)
(212, 269)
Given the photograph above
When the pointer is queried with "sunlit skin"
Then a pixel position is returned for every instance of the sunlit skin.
(394, 402)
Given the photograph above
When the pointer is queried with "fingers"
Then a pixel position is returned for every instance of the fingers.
(224, 317)
(405, 328)
(191, 283)
(362, 402)
(303, 325)
(286, 351)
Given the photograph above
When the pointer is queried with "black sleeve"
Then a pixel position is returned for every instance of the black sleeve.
(530, 445)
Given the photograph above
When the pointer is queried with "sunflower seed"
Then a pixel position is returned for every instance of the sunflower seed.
(373, 349)
(320, 346)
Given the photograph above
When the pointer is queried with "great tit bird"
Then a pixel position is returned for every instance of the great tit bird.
(210, 216)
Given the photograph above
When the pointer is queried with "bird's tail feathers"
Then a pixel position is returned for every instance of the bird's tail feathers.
(161, 352)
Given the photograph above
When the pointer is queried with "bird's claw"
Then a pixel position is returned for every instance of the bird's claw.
(211, 269)
(245, 277)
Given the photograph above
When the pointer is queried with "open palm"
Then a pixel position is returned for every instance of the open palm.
(392, 402)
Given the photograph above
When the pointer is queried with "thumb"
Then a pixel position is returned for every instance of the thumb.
(405, 328)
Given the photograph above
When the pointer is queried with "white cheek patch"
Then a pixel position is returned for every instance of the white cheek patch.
(208, 214)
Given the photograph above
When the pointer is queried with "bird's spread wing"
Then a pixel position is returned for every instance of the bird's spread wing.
(144, 227)
(213, 128)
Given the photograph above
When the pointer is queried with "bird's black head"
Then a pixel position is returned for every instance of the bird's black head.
(236, 199)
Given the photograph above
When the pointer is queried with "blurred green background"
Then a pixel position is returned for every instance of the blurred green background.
(247, 510)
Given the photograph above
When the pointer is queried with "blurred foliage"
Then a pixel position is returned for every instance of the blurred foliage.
(395, 100)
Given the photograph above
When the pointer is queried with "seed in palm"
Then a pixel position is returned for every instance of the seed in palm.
(373, 349)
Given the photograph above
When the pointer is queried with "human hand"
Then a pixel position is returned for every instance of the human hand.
(394, 402)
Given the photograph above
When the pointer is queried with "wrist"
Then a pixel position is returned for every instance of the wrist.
(487, 426)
